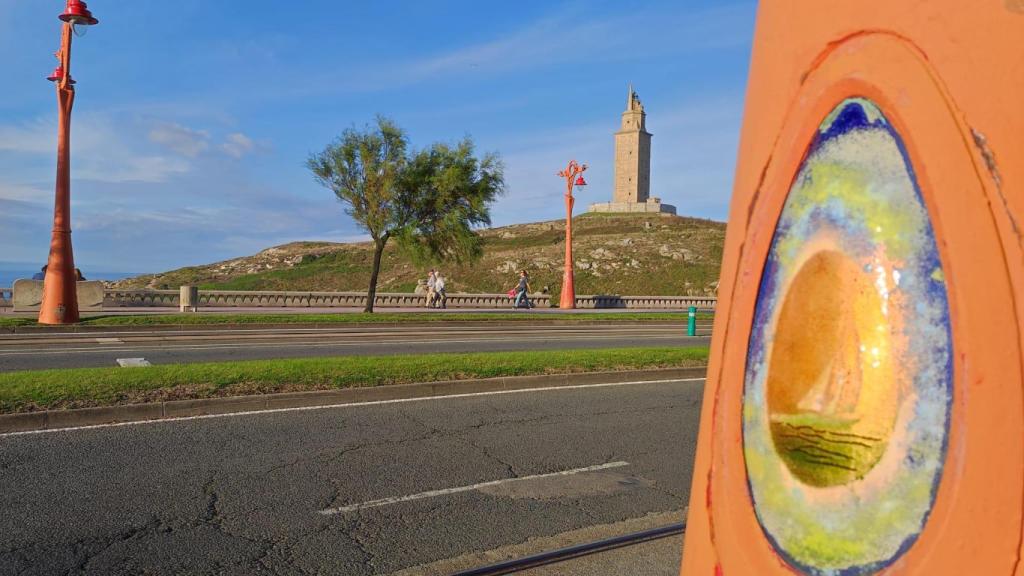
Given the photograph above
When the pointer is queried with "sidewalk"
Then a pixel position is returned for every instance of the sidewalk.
(147, 311)
(656, 558)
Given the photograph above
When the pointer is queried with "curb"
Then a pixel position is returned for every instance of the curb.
(54, 419)
(75, 329)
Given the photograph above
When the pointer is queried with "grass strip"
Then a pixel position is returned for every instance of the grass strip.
(83, 387)
(7, 321)
(362, 318)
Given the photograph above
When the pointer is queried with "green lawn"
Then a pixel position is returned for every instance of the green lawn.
(354, 318)
(83, 387)
(4, 321)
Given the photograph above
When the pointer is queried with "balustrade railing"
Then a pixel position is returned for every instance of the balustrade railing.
(275, 299)
(646, 302)
(140, 298)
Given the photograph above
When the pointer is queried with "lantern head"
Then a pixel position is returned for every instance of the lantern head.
(58, 74)
(580, 181)
(77, 13)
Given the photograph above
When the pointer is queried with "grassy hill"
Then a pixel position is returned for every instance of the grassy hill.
(614, 253)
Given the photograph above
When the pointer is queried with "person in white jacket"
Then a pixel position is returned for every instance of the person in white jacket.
(440, 298)
(431, 286)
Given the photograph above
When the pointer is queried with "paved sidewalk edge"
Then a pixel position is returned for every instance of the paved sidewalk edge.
(533, 320)
(51, 419)
(541, 544)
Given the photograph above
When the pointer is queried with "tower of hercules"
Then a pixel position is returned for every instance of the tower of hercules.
(633, 164)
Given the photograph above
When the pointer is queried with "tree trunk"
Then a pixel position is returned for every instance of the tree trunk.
(378, 251)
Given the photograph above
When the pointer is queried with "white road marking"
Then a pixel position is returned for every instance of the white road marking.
(109, 341)
(133, 362)
(349, 405)
(470, 488)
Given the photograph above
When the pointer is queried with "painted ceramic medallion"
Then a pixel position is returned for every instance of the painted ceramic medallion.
(849, 374)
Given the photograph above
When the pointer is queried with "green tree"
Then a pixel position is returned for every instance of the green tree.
(430, 201)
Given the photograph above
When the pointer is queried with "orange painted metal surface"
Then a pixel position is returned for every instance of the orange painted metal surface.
(571, 172)
(60, 299)
(949, 78)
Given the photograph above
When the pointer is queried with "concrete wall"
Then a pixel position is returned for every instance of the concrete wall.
(28, 295)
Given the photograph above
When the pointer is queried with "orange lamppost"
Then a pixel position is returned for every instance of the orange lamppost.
(573, 175)
(60, 296)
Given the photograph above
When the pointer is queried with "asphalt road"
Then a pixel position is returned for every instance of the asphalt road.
(80, 350)
(357, 490)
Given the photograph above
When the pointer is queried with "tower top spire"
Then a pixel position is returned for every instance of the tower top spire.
(633, 103)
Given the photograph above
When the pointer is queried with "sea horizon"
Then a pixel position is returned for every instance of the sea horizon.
(7, 277)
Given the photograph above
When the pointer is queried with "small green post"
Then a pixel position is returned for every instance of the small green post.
(691, 322)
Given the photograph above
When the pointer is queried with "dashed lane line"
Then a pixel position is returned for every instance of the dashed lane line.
(469, 488)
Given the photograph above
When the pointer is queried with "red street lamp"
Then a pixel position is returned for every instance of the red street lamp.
(573, 175)
(77, 12)
(60, 294)
(58, 73)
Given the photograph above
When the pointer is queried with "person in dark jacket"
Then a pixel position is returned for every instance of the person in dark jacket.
(523, 291)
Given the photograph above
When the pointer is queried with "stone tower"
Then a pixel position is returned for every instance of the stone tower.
(632, 154)
(632, 167)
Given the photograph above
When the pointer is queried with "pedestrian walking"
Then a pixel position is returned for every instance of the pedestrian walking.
(441, 297)
(431, 284)
(522, 291)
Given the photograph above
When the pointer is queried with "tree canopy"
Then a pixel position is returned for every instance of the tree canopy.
(431, 200)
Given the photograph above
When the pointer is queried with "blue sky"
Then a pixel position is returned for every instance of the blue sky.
(191, 129)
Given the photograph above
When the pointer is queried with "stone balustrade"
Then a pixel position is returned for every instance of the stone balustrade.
(645, 302)
(274, 299)
(140, 298)
(117, 298)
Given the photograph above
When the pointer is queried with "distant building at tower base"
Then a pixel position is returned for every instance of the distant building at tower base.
(652, 205)
(633, 165)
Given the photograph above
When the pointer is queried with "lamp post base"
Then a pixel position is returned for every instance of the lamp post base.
(60, 291)
(568, 299)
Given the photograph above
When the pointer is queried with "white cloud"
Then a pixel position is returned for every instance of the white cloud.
(130, 168)
(180, 139)
(141, 220)
(22, 193)
(237, 145)
(103, 149)
(34, 137)
(566, 36)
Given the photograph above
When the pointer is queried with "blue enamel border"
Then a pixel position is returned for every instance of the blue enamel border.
(850, 118)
